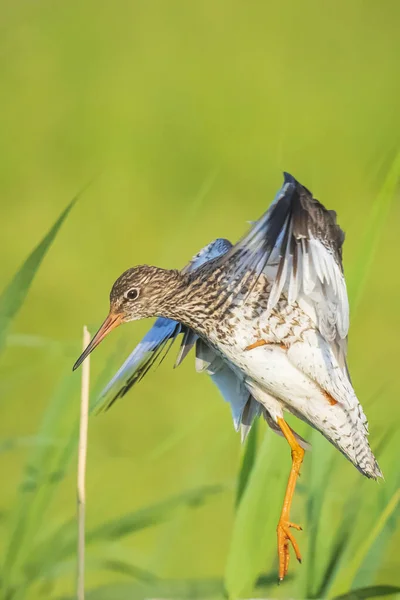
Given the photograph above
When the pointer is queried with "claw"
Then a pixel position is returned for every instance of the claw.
(294, 526)
(284, 537)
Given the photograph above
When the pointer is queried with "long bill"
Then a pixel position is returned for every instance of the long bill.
(112, 321)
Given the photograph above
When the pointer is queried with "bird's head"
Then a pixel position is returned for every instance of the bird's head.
(138, 293)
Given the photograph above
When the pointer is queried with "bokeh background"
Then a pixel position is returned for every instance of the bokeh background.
(182, 117)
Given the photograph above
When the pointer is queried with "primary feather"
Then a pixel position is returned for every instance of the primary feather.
(298, 245)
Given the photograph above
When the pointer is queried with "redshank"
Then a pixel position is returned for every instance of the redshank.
(269, 317)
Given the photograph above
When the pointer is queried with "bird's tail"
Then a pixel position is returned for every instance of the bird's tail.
(348, 435)
(340, 418)
(359, 453)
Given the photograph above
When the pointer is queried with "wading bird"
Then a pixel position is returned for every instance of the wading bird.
(269, 318)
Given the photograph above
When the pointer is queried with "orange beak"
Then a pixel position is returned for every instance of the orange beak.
(112, 321)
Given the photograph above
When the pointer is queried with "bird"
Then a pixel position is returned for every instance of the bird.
(269, 319)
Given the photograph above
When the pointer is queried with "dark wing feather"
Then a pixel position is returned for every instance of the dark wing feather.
(297, 244)
(145, 355)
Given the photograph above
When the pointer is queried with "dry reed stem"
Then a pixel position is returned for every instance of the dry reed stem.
(82, 452)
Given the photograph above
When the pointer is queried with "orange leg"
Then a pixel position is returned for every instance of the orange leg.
(283, 530)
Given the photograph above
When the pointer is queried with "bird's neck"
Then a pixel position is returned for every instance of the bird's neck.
(189, 298)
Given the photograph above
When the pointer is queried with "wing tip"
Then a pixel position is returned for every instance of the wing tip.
(288, 178)
(323, 217)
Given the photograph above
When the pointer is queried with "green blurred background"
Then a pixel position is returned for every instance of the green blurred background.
(183, 115)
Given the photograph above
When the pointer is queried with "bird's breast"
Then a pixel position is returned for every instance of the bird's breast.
(269, 338)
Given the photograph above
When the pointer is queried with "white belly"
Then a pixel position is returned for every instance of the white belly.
(270, 368)
(275, 382)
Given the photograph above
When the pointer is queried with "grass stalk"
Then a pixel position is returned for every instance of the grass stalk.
(82, 453)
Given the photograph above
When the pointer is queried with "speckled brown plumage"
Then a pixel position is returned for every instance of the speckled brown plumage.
(269, 318)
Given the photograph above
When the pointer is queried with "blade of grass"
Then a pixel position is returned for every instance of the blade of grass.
(153, 515)
(82, 453)
(340, 546)
(253, 544)
(375, 591)
(154, 587)
(321, 460)
(51, 573)
(28, 441)
(125, 568)
(370, 566)
(371, 563)
(364, 548)
(45, 469)
(373, 231)
(355, 510)
(13, 297)
(356, 286)
(62, 544)
(188, 589)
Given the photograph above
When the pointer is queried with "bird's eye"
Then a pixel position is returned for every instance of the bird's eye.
(132, 294)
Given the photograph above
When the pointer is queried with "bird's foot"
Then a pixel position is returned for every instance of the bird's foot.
(284, 537)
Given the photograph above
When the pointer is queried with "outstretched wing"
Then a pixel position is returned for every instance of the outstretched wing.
(297, 244)
(213, 250)
(159, 339)
(153, 347)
